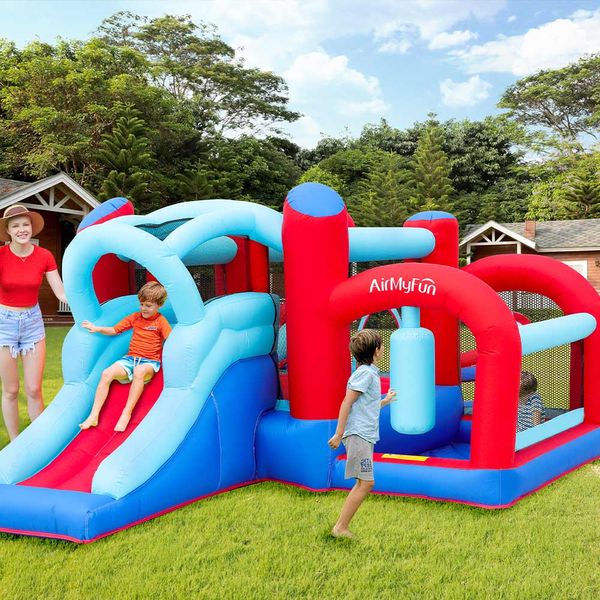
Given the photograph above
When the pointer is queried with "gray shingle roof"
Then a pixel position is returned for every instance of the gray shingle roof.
(579, 233)
(8, 186)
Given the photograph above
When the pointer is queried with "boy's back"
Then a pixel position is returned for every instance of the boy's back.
(363, 419)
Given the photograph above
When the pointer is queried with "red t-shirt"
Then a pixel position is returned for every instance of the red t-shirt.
(21, 278)
(148, 334)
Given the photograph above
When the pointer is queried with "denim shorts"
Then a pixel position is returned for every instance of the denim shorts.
(129, 363)
(21, 330)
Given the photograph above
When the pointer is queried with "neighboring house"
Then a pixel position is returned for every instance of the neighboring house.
(575, 243)
(63, 203)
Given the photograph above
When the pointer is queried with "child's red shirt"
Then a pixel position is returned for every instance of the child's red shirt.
(148, 334)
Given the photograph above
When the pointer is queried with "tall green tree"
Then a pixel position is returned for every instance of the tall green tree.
(582, 188)
(567, 188)
(566, 101)
(250, 169)
(320, 175)
(125, 151)
(56, 102)
(199, 69)
(431, 182)
(383, 198)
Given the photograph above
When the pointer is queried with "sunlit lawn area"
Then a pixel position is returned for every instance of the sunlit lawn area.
(271, 541)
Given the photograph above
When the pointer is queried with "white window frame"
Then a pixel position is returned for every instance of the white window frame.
(581, 266)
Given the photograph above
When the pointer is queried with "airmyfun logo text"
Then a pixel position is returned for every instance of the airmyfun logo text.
(416, 284)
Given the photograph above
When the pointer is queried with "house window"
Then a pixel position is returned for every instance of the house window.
(579, 265)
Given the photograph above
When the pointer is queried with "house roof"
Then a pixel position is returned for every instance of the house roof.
(8, 186)
(12, 191)
(579, 234)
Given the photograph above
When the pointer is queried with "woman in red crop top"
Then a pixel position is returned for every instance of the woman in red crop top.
(22, 267)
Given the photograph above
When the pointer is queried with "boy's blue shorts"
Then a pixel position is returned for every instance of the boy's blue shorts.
(129, 363)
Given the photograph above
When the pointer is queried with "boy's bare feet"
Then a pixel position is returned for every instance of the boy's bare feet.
(341, 533)
(91, 421)
(122, 422)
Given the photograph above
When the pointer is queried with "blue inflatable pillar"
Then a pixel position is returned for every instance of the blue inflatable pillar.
(412, 375)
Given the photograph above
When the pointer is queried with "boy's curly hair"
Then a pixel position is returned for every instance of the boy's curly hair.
(363, 346)
(153, 292)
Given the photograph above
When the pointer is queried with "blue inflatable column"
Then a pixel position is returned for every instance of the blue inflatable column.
(412, 366)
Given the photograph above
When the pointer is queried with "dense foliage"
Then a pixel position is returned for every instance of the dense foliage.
(161, 110)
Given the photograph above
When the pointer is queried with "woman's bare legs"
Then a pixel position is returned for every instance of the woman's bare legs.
(33, 372)
(10, 391)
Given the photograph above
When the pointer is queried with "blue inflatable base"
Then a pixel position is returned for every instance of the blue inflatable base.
(481, 487)
(243, 436)
(217, 454)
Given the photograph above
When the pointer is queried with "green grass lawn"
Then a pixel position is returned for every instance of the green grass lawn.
(271, 541)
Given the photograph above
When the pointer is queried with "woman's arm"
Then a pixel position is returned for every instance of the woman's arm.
(349, 399)
(56, 285)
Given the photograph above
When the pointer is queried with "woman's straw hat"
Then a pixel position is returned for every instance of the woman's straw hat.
(18, 210)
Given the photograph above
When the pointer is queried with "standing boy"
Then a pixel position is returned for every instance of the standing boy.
(358, 424)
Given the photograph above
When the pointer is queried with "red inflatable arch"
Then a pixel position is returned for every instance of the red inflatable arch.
(469, 300)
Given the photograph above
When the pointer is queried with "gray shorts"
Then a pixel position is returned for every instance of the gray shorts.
(359, 458)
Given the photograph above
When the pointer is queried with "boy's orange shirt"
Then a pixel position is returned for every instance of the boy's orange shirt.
(148, 334)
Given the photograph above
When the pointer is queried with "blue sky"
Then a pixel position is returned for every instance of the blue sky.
(351, 62)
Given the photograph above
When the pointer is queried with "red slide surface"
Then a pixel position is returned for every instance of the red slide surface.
(74, 468)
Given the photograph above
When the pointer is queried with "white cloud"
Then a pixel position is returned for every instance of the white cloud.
(454, 38)
(273, 32)
(549, 46)
(373, 107)
(305, 132)
(318, 67)
(511, 19)
(467, 93)
(396, 47)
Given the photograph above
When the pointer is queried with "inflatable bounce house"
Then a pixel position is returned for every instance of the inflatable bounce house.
(215, 418)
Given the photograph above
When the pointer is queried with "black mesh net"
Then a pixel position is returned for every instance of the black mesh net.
(383, 322)
(552, 367)
(161, 230)
(276, 285)
(203, 276)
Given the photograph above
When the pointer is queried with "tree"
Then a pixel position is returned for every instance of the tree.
(56, 102)
(481, 153)
(325, 148)
(194, 183)
(564, 101)
(389, 139)
(383, 198)
(582, 188)
(567, 188)
(432, 186)
(250, 169)
(320, 175)
(125, 152)
(198, 69)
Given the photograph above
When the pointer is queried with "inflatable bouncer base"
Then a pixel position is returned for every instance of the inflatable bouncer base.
(453, 479)
(215, 456)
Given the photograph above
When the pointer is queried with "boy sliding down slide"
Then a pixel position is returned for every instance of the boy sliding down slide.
(150, 330)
